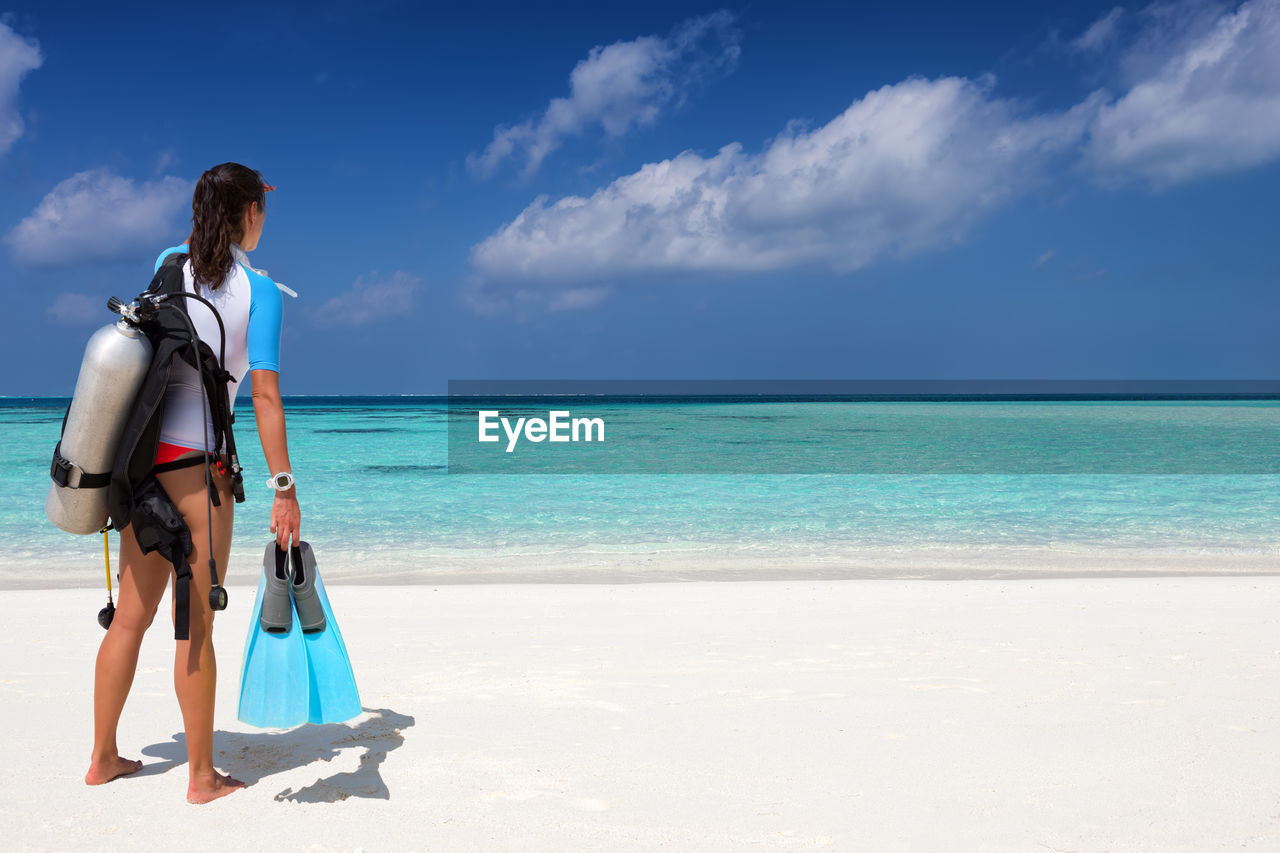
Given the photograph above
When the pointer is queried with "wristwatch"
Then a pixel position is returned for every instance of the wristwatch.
(281, 482)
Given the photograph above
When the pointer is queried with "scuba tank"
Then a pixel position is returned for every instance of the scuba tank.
(116, 359)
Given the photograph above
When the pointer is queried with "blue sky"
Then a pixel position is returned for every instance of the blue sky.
(657, 190)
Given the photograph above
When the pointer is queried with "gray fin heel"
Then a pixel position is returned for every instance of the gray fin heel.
(310, 609)
(277, 610)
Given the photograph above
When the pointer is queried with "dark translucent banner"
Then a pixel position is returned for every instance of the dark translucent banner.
(863, 427)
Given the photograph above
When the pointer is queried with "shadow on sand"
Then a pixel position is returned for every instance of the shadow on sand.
(253, 756)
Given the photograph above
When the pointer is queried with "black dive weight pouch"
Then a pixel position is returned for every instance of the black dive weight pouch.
(158, 526)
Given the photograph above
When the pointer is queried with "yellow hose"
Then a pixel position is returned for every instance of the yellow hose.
(106, 556)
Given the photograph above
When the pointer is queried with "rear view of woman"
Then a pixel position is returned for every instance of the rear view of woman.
(228, 209)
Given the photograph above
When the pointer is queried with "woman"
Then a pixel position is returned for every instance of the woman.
(228, 210)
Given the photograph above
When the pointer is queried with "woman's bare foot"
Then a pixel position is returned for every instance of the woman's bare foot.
(209, 789)
(102, 772)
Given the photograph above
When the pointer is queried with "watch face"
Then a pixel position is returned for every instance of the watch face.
(283, 481)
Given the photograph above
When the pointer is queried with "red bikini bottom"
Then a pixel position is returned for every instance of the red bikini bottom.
(169, 452)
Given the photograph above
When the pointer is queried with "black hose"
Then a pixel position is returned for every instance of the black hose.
(222, 330)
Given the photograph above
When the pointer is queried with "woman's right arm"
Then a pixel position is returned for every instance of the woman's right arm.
(268, 408)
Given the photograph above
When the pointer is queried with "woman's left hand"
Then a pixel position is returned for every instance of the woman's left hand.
(286, 518)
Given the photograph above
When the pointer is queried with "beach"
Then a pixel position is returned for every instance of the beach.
(1079, 659)
(1025, 714)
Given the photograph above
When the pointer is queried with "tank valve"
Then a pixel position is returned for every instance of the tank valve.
(128, 311)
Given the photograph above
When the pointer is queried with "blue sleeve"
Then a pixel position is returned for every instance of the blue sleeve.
(265, 313)
(166, 253)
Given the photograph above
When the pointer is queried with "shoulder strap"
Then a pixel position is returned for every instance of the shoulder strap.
(169, 276)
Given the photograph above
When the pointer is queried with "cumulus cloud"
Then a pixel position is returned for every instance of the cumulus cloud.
(18, 56)
(78, 308)
(369, 300)
(1204, 97)
(97, 215)
(619, 87)
(907, 167)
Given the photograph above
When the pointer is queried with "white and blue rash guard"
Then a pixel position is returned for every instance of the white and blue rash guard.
(250, 305)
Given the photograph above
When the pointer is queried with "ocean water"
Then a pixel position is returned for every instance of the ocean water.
(379, 500)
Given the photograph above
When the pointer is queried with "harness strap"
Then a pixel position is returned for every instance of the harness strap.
(181, 596)
(177, 464)
(191, 462)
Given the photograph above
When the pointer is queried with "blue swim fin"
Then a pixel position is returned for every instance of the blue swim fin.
(332, 696)
(273, 677)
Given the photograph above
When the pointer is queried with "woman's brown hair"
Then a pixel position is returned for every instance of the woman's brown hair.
(217, 218)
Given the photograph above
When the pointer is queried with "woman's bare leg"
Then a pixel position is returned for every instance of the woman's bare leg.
(142, 583)
(195, 670)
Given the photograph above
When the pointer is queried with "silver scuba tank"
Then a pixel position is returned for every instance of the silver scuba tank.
(116, 359)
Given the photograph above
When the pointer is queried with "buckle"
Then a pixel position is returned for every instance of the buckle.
(60, 470)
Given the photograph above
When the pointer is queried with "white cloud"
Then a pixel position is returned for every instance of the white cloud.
(528, 302)
(618, 87)
(78, 308)
(1100, 33)
(1045, 257)
(18, 56)
(1204, 97)
(97, 215)
(908, 167)
(370, 300)
(905, 168)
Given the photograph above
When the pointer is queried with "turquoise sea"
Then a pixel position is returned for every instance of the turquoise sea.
(380, 503)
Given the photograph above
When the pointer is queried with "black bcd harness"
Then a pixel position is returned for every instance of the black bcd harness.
(135, 496)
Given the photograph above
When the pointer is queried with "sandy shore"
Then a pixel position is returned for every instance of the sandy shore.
(80, 566)
(1069, 714)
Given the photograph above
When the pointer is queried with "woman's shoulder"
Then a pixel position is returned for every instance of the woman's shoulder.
(180, 248)
(263, 292)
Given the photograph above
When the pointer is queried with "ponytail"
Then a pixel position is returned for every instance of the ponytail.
(217, 219)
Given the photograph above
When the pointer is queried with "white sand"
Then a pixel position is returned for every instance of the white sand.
(1079, 714)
